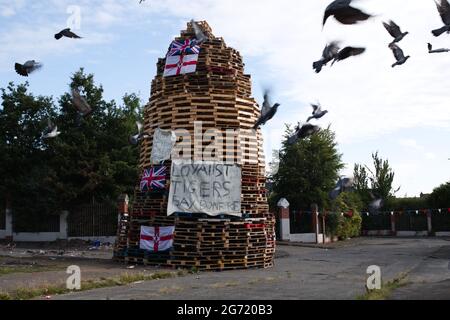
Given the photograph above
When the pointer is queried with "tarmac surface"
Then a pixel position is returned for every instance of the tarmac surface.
(307, 273)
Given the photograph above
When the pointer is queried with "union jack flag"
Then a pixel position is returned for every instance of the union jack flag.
(187, 46)
(154, 179)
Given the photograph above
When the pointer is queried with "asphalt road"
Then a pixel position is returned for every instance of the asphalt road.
(308, 273)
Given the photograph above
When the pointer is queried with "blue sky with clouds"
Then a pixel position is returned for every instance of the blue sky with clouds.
(404, 113)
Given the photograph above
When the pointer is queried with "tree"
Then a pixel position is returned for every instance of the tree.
(308, 170)
(440, 198)
(93, 159)
(24, 161)
(90, 160)
(377, 182)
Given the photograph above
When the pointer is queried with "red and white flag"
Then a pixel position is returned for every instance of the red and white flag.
(176, 65)
(157, 239)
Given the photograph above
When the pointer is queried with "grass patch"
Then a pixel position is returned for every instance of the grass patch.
(124, 279)
(27, 269)
(386, 289)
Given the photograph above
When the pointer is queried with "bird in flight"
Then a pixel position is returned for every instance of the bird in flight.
(431, 50)
(344, 12)
(347, 52)
(66, 33)
(318, 113)
(81, 104)
(329, 53)
(199, 34)
(27, 68)
(134, 140)
(303, 132)
(395, 31)
(51, 131)
(444, 11)
(398, 54)
(268, 111)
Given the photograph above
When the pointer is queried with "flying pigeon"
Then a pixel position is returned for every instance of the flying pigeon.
(134, 140)
(199, 34)
(80, 103)
(343, 184)
(444, 11)
(430, 49)
(268, 111)
(348, 52)
(344, 13)
(27, 68)
(66, 33)
(317, 113)
(395, 31)
(398, 54)
(303, 132)
(51, 131)
(329, 53)
(376, 205)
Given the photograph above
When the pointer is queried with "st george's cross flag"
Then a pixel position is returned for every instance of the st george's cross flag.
(157, 239)
(176, 65)
(154, 179)
(184, 47)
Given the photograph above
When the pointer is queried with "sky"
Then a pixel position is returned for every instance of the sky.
(403, 113)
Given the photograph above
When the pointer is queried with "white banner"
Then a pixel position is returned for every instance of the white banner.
(163, 143)
(210, 188)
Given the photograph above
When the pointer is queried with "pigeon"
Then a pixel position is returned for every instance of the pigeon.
(303, 132)
(348, 52)
(51, 131)
(80, 103)
(329, 53)
(134, 140)
(444, 11)
(342, 185)
(344, 13)
(317, 113)
(395, 31)
(398, 54)
(66, 33)
(27, 68)
(268, 111)
(199, 34)
(430, 49)
(376, 204)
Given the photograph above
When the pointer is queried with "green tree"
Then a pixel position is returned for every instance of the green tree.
(24, 161)
(440, 198)
(91, 160)
(378, 181)
(308, 170)
(94, 161)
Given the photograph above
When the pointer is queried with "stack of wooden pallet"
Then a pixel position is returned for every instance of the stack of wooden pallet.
(217, 96)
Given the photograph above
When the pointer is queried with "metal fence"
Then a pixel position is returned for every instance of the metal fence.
(411, 222)
(440, 221)
(374, 222)
(95, 220)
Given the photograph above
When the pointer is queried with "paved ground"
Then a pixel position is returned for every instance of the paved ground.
(309, 273)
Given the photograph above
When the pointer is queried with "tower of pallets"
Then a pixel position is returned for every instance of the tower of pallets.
(218, 95)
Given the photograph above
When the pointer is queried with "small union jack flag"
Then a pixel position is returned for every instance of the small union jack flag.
(187, 46)
(154, 179)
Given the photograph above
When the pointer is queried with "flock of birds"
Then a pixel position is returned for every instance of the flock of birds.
(341, 10)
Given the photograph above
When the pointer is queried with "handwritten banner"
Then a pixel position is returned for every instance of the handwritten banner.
(163, 143)
(209, 188)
